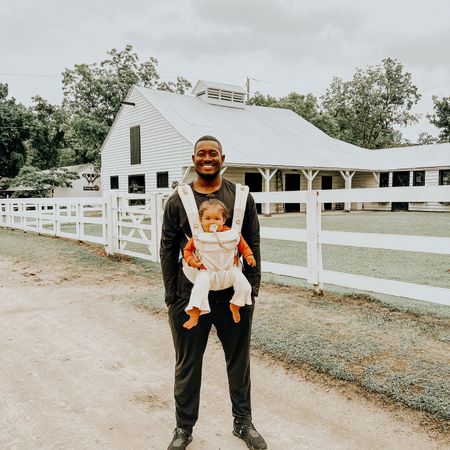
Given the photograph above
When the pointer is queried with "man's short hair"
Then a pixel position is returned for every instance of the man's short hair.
(207, 137)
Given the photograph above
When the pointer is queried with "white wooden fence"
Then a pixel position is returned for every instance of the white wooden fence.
(134, 229)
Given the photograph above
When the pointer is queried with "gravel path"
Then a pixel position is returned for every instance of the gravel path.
(82, 369)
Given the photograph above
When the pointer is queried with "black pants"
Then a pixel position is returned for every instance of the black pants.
(190, 346)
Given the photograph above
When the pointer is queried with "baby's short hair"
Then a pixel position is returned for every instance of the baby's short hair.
(214, 203)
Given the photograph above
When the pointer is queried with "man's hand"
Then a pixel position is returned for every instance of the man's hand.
(196, 263)
(251, 261)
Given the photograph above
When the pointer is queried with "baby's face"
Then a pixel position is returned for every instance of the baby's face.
(212, 216)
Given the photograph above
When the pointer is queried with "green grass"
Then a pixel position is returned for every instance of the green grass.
(413, 267)
(409, 223)
(401, 356)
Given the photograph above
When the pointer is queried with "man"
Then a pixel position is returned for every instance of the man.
(235, 337)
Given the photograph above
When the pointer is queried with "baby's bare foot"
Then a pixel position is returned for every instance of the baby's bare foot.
(191, 323)
(235, 312)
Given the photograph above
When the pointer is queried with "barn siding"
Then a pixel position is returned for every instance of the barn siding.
(163, 149)
(431, 179)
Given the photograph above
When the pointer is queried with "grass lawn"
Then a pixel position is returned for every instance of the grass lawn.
(413, 267)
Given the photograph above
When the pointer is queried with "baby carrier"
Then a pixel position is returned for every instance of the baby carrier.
(217, 249)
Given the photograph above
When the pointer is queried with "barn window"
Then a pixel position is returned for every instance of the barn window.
(136, 185)
(114, 182)
(444, 177)
(384, 179)
(162, 180)
(419, 178)
(135, 145)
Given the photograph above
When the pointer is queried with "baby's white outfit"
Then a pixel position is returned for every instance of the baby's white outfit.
(216, 251)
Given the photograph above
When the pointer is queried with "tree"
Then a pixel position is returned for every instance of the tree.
(305, 106)
(39, 183)
(46, 131)
(14, 131)
(426, 139)
(4, 183)
(441, 117)
(368, 108)
(93, 94)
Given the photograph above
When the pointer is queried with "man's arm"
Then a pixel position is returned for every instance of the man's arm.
(170, 250)
(250, 232)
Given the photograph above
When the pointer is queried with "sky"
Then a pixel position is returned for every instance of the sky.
(282, 45)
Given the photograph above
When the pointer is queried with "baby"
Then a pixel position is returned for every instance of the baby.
(214, 253)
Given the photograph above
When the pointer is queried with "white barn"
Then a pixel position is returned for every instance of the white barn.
(150, 143)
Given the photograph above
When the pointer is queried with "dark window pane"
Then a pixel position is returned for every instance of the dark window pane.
(419, 178)
(384, 179)
(444, 177)
(114, 182)
(162, 180)
(135, 145)
(136, 184)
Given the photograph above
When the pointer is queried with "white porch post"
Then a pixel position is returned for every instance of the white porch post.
(310, 177)
(347, 176)
(377, 178)
(267, 175)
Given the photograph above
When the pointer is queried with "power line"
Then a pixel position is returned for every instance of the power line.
(41, 75)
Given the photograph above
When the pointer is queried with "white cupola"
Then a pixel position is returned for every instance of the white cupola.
(220, 94)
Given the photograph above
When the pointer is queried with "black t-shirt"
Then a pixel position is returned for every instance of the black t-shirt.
(175, 232)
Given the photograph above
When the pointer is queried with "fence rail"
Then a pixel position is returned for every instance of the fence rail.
(314, 236)
(130, 224)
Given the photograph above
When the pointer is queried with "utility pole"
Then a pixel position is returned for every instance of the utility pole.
(247, 85)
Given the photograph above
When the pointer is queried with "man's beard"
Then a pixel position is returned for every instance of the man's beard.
(208, 176)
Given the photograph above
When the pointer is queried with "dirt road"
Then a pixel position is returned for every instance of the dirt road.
(82, 369)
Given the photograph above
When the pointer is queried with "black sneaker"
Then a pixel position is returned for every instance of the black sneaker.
(248, 433)
(181, 439)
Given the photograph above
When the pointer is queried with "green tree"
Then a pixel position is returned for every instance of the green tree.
(93, 94)
(38, 183)
(14, 131)
(46, 139)
(305, 106)
(426, 139)
(441, 117)
(369, 108)
(4, 183)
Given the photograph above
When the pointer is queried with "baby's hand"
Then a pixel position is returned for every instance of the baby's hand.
(251, 261)
(196, 263)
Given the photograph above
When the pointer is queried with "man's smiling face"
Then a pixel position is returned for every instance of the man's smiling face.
(208, 159)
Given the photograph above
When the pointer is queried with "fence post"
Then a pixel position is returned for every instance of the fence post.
(154, 232)
(159, 212)
(55, 220)
(314, 247)
(38, 217)
(8, 214)
(111, 222)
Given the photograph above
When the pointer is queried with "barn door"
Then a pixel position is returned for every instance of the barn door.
(254, 182)
(400, 179)
(327, 183)
(292, 183)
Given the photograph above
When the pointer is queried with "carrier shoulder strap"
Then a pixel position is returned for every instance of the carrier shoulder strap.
(190, 206)
(240, 203)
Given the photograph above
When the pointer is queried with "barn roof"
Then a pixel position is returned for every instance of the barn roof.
(274, 137)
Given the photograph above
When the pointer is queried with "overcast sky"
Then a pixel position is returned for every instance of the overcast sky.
(286, 45)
